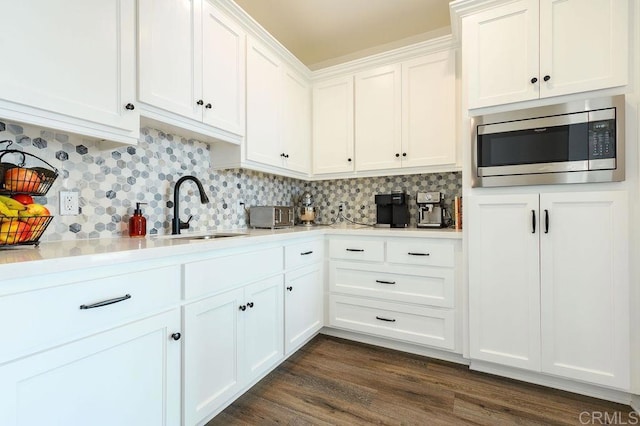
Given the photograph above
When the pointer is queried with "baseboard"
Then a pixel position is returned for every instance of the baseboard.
(635, 403)
(396, 345)
(554, 382)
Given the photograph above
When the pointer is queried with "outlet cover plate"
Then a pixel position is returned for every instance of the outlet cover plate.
(69, 204)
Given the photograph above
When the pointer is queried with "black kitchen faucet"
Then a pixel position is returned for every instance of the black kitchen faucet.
(176, 223)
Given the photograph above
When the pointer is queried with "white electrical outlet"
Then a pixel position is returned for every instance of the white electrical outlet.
(69, 204)
(342, 206)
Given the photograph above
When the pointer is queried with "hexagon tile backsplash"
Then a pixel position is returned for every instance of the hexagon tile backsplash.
(111, 181)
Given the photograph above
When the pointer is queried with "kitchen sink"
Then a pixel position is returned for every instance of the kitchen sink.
(207, 236)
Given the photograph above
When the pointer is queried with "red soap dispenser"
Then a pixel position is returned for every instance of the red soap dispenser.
(137, 223)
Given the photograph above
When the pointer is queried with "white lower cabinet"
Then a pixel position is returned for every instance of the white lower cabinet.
(398, 288)
(129, 375)
(230, 339)
(548, 284)
(303, 315)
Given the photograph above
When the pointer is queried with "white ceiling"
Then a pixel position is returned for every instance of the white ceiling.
(325, 32)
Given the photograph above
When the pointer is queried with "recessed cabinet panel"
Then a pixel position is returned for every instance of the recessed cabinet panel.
(504, 292)
(75, 58)
(378, 118)
(415, 251)
(304, 305)
(170, 44)
(333, 126)
(584, 287)
(500, 50)
(583, 48)
(353, 249)
(296, 122)
(223, 71)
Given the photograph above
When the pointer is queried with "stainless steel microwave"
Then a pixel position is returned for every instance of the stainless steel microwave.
(576, 142)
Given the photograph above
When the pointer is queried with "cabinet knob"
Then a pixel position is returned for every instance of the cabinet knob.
(546, 78)
(349, 159)
(242, 307)
(290, 288)
(129, 107)
(250, 304)
(208, 106)
(176, 336)
(397, 154)
(404, 154)
(286, 156)
(200, 102)
(534, 80)
(282, 155)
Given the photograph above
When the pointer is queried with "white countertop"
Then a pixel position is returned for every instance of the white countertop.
(62, 256)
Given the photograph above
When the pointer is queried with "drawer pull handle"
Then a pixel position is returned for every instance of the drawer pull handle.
(304, 253)
(418, 254)
(106, 302)
(385, 319)
(385, 282)
(355, 249)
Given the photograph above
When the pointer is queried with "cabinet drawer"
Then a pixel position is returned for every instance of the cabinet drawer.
(410, 284)
(352, 249)
(226, 272)
(426, 326)
(44, 318)
(421, 252)
(305, 253)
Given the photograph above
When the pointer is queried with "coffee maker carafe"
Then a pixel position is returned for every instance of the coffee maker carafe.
(430, 210)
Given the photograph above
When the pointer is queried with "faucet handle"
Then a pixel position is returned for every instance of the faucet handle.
(185, 225)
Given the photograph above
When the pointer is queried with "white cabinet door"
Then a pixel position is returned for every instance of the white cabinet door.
(296, 122)
(213, 340)
(223, 65)
(264, 340)
(126, 376)
(75, 58)
(429, 110)
(585, 287)
(504, 280)
(582, 47)
(333, 126)
(264, 91)
(378, 118)
(304, 305)
(170, 55)
(500, 51)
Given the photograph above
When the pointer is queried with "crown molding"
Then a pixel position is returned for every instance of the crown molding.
(384, 58)
(458, 9)
(257, 31)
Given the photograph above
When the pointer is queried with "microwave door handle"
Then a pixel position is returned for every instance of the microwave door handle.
(279, 219)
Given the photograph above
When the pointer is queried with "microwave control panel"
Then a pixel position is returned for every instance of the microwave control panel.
(602, 139)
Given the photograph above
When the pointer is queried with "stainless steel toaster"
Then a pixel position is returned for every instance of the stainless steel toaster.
(271, 216)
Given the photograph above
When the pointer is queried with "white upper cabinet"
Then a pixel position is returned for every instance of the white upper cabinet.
(530, 49)
(223, 71)
(191, 64)
(333, 126)
(71, 65)
(296, 122)
(264, 91)
(378, 118)
(278, 112)
(429, 110)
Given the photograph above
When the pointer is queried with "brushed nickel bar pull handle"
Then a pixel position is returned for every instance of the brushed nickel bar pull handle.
(106, 302)
(385, 282)
(418, 254)
(355, 249)
(304, 253)
(385, 319)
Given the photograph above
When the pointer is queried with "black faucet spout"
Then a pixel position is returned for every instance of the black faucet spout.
(176, 223)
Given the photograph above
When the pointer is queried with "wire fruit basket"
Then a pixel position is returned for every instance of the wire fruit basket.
(22, 222)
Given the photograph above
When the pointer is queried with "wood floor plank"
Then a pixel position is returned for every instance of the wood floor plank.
(333, 381)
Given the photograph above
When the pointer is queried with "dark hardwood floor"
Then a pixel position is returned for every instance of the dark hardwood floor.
(333, 381)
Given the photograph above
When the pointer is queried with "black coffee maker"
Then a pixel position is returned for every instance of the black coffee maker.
(392, 210)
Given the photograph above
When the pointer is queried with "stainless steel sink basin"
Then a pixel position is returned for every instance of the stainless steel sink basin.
(207, 236)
